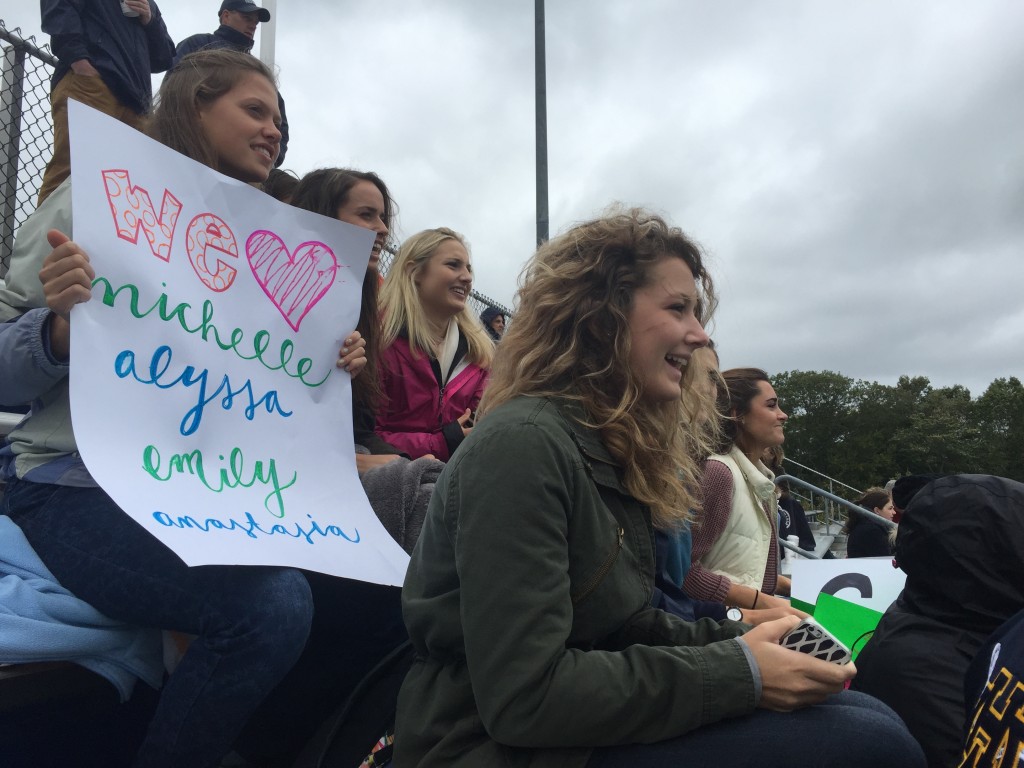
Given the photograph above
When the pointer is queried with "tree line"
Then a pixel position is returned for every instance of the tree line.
(863, 433)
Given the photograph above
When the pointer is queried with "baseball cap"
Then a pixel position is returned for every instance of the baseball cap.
(245, 6)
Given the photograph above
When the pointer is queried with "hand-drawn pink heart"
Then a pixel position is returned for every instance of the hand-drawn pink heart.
(294, 282)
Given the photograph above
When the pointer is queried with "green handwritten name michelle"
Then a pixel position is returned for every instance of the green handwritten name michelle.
(279, 359)
(233, 475)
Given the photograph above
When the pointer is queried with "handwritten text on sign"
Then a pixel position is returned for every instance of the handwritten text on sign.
(205, 398)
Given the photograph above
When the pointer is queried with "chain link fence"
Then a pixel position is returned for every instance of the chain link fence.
(26, 131)
(26, 135)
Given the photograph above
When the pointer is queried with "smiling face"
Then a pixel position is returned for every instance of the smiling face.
(364, 207)
(242, 128)
(664, 331)
(445, 280)
(762, 426)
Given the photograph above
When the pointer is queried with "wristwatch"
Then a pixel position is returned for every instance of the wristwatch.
(734, 614)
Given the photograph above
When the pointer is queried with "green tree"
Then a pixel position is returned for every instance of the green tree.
(863, 433)
(820, 405)
(999, 415)
(941, 435)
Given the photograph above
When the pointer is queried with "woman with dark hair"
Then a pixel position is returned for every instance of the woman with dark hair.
(360, 198)
(355, 623)
(280, 185)
(735, 548)
(527, 597)
(493, 320)
(869, 537)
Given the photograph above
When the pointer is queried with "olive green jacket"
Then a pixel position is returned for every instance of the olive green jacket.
(528, 603)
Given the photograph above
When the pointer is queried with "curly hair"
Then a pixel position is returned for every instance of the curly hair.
(197, 81)
(571, 339)
(400, 300)
(324, 191)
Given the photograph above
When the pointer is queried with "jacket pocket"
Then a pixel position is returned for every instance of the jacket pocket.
(585, 590)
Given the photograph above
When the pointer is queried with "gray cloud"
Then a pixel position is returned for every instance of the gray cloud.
(854, 170)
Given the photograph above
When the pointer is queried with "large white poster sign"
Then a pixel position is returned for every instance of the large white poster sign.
(868, 581)
(204, 393)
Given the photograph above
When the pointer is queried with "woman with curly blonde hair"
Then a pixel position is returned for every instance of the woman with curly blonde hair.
(436, 353)
(528, 595)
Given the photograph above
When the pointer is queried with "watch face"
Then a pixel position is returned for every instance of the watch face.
(734, 614)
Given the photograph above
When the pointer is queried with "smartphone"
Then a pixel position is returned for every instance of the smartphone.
(810, 637)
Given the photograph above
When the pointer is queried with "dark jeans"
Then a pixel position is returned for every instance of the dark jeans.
(355, 625)
(849, 730)
(251, 622)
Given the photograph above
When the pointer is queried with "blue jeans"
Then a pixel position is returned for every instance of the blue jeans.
(848, 730)
(251, 622)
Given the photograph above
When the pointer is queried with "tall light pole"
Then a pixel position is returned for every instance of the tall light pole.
(268, 35)
(542, 123)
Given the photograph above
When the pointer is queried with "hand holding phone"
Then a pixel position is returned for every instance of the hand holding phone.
(791, 680)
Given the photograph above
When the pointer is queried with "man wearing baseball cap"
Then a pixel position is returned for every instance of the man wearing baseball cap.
(237, 31)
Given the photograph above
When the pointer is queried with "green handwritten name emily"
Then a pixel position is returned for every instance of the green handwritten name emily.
(233, 475)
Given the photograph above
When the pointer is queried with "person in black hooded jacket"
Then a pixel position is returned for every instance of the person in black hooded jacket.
(961, 544)
(493, 320)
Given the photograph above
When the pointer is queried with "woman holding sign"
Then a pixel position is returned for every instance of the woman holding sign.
(251, 623)
(436, 353)
(528, 595)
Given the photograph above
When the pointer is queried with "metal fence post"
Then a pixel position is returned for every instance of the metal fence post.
(10, 138)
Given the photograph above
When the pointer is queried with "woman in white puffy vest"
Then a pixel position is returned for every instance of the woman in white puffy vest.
(735, 554)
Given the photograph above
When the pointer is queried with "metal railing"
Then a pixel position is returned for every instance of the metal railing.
(834, 500)
(824, 505)
(807, 554)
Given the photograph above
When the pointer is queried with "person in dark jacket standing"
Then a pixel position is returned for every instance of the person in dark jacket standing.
(106, 53)
(237, 31)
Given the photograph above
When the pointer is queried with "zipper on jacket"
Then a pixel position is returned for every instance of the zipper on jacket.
(598, 577)
(440, 406)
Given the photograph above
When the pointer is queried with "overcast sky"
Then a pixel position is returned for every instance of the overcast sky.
(855, 171)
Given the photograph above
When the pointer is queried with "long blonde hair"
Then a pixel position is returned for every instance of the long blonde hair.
(571, 339)
(403, 311)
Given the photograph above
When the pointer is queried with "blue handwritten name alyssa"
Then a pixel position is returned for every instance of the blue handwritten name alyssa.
(251, 528)
(124, 366)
